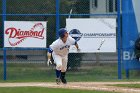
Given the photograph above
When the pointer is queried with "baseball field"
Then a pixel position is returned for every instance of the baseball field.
(105, 30)
(38, 78)
(71, 87)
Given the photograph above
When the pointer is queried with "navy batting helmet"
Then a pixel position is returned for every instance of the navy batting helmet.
(62, 32)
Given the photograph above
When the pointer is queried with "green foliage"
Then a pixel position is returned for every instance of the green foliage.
(31, 6)
(65, 6)
(82, 6)
(1, 7)
(1, 42)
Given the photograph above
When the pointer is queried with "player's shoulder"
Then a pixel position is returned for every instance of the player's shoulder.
(56, 41)
(70, 38)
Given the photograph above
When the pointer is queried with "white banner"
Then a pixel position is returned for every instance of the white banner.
(25, 34)
(93, 35)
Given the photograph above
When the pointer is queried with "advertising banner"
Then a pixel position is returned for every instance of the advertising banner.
(25, 34)
(130, 33)
(93, 35)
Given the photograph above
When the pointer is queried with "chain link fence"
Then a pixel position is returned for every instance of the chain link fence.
(30, 64)
(30, 7)
(1, 42)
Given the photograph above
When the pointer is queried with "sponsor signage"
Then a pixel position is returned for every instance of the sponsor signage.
(93, 35)
(25, 34)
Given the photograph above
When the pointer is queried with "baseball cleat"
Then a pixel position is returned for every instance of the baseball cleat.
(58, 81)
(64, 81)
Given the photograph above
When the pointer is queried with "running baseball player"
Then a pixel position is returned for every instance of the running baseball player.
(59, 50)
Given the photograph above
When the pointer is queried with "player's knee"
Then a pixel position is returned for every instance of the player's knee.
(58, 67)
(63, 69)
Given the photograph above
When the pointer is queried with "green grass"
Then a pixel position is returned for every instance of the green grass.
(34, 72)
(45, 90)
(128, 85)
(41, 73)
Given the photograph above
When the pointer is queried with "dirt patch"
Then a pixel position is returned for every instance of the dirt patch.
(104, 86)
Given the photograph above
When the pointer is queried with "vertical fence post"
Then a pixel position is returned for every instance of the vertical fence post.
(57, 17)
(4, 49)
(119, 39)
(4, 65)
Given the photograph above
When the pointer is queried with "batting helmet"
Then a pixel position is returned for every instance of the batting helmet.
(62, 32)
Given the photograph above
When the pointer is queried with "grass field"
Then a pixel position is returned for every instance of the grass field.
(45, 90)
(128, 85)
(39, 72)
(42, 73)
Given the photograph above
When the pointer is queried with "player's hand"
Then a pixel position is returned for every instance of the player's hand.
(49, 62)
(78, 50)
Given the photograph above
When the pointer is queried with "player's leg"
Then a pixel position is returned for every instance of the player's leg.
(58, 62)
(63, 70)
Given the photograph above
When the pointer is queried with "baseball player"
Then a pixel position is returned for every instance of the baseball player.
(59, 50)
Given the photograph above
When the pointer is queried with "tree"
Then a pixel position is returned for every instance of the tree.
(82, 7)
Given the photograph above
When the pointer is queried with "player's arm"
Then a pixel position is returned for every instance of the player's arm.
(77, 46)
(49, 53)
(49, 56)
(74, 42)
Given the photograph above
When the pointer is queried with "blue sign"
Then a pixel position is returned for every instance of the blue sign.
(130, 33)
